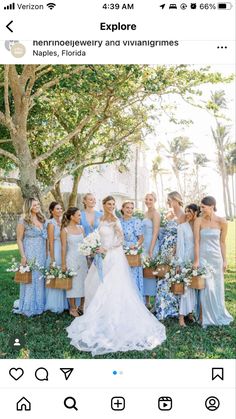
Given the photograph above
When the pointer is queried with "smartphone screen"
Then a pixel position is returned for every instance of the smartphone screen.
(117, 209)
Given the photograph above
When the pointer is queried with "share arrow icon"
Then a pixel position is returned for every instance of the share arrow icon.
(162, 6)
(67, 372)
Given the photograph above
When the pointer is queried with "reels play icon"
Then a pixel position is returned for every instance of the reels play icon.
(165, 403)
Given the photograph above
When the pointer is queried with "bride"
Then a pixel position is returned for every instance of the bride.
(115, 317)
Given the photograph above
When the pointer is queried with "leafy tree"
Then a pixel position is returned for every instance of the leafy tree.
(56, 120)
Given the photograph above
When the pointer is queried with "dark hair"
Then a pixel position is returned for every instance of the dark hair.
(209, 201)
(51, 207)
(194, 208)
(108, 198)
(67, 216)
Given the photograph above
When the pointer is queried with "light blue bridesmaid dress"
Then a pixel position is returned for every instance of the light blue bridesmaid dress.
(32, 296)
(56, 298)
(132, 230)
(149, 285)
(212, 297)
(85, 224)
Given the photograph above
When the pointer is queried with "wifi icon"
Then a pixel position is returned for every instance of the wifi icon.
(51, 5)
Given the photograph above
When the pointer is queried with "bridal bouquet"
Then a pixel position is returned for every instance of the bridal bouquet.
(90, 244)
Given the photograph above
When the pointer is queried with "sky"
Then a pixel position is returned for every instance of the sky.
(199, 133)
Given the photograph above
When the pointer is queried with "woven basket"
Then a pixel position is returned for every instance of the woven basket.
(198, 282)
(177, 289)
(134, 260)
(25, 278)
(58, 283)
(148, 273)
(162, 270)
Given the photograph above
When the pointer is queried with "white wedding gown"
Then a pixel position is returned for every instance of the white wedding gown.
(115, 317)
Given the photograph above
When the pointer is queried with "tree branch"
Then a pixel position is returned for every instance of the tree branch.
(54, 82)
(9, 156)
(66, 139)
(9, 180)
(5, 141)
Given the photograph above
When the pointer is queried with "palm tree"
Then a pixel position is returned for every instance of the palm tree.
(199, 160)
(177, 152)
(159, 171)
(222, 140)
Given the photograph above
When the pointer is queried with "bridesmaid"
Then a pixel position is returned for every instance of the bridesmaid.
(32, 243)
(151, 226)
(185, 253)
(133, 237)
(210, 234)
(175, 203)
(90, 218)
(71, 235)
(166, 303)
(55, 298)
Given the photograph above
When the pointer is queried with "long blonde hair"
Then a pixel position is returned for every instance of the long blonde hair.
(27, 216)
(176, 197)
(85, 197)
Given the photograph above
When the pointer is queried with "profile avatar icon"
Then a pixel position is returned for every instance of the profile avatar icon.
(212, 403)
(17, 342)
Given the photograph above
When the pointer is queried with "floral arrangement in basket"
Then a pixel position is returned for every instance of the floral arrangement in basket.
(89, 247)
(133, 255)
(197, 277)
(149, 265)
(23, 274)
(136, 250)
(54, 272)
(164, 262)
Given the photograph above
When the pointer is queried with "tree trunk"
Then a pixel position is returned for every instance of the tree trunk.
(56, 192)
(224, 195)
(229, 197)
(136, 178)
(74, 192)
(162, 192)
(233, 194)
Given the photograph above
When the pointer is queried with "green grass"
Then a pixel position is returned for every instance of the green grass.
(46, 336)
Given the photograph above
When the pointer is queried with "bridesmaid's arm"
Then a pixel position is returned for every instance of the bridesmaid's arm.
(51, 242)
(20, 235)
(196, 233)
(140, 240)
(156, 220)
(224, 228)
(63, 249)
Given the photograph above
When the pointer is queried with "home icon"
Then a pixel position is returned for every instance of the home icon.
(23, 404)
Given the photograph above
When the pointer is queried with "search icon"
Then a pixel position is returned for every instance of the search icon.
(70, 403)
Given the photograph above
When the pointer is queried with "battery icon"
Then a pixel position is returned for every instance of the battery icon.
(225, 6)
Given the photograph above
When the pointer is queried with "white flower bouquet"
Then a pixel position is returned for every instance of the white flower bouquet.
(90, 244)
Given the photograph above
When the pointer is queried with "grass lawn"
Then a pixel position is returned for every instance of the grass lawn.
(46, 337)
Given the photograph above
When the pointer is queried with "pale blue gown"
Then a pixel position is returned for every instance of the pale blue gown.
(185, 253)
(149, 285)
(132, 230)
(32, 296)
(214, 312)
(56, 298)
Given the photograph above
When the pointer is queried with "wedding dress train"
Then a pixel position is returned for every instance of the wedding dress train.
(115, 318)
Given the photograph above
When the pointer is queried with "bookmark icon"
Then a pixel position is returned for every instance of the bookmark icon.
(67, 372)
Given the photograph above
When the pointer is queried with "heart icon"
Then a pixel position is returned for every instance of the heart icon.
(16, 373)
